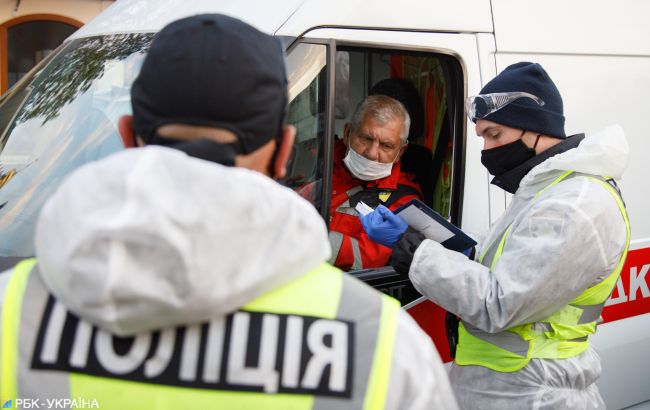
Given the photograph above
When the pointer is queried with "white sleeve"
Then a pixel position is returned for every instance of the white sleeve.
(565, 243)
(418, 379)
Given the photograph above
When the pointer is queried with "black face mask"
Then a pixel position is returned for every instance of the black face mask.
(502, 159)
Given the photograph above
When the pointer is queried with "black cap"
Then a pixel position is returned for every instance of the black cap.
(212, 70)
(524, 113)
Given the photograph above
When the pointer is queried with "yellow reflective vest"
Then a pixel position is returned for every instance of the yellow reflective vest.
(562, 335)
(325, 340)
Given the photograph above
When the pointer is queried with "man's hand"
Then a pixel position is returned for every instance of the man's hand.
(404, 251)
(383, 226)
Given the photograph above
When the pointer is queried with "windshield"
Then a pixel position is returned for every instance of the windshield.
(62, 115)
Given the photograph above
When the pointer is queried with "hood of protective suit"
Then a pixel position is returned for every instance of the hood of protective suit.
(603, 153)
(149, 238)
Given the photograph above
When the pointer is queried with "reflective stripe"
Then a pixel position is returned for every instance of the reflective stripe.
(542, 327)
(379, 378)
(336, 240)
(354, 190)
(348, 211)
(364, 307)
(604, 289)
(499, 250)
(509, 341)
(557, 180)
(4, 283)
(590, 313)
(357, 263)
(488, 253)
(11, 319)
(34, 383)
(345, 207)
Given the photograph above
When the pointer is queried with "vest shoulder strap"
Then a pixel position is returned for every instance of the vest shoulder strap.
(11, 318)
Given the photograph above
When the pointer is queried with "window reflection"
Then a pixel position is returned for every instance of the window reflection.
(64, 114)
(307, 79)
(68, 117)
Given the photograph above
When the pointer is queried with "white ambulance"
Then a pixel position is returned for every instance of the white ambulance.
(64, 113)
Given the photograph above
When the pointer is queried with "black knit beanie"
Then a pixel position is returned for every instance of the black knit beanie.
(524, 113)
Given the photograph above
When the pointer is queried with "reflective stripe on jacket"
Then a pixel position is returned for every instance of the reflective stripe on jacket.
(322, 341)
(562, 335)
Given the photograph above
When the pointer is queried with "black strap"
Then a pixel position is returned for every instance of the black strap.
(614, 185)
(370, 196)
(451, 326)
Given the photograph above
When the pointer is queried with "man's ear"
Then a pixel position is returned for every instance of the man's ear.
(346, 134)
(125, 127)
(284, 151)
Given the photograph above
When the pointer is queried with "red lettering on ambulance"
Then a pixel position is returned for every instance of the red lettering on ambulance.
(631, 296)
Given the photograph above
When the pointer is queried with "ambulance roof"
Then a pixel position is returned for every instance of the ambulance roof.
(294, 17)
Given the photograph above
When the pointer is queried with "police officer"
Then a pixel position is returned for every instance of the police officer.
(533, 296)
(165, 280)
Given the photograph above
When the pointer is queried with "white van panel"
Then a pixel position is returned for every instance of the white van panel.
(599, 91)
(132, 16)
(143, 16)
(431, 15)
(487, 50)
(475, 212)
(476, 194)
(624, 351)
(573, 27)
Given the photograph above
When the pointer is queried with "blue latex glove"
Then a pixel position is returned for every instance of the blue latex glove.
(383, 226)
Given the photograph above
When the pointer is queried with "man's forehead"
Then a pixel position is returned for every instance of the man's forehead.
(383, 130)
(483, 126)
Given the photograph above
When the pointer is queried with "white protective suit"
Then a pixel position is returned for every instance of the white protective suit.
(568, 239)
(150, 238)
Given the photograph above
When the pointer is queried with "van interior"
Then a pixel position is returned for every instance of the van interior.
(430, 85)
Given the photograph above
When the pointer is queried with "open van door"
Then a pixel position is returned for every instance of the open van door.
(332, 70)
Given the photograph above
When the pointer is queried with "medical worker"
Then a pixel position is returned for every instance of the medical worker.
(533, 296)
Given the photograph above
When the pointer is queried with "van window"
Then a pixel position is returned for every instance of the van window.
(431, 140)
(306, 71)
(56, 119)
(430, 86)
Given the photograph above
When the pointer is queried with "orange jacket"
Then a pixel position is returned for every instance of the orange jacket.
(351, 247)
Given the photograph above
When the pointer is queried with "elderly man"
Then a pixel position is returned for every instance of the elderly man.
(367, 168)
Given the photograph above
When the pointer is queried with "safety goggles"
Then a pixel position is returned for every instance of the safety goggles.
(480, 106)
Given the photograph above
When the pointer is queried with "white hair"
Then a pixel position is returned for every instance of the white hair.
(382, 109)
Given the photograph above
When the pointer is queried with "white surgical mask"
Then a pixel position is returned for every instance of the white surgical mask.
(365, 169)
